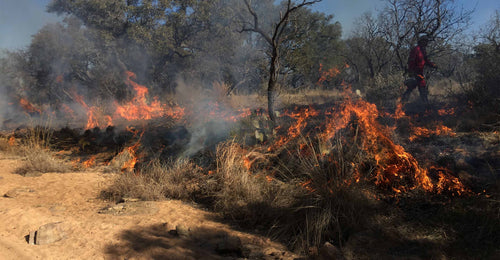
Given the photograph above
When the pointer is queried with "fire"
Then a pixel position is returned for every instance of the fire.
(90, 162)
(424, 132)
(129, 165)
(68, 111)
(12, 141)
(28, 107)
(445, 112)
(139, 109)
(399, 113)
(92, 111)
(395, 168)
(328, 74)
(295, 129)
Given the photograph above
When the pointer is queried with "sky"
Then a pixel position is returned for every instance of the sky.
(20, 19)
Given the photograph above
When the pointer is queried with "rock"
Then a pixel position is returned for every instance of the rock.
(259, 136)
(229, 245)
(16, 192)
(49, 233)
(130, 208)
(31, 240)
(329, 251)
(182, 230)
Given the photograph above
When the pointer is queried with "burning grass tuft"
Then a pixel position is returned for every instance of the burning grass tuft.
(250, 198)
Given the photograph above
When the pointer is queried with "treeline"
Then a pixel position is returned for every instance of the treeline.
(206, 41)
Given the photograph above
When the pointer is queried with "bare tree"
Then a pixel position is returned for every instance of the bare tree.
(405, 19)
(274, 39)
(367, 48)
(491, 32)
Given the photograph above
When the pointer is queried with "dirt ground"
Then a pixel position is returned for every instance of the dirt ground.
(96, 229)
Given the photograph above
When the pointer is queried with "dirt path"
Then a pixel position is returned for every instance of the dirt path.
(145, 231)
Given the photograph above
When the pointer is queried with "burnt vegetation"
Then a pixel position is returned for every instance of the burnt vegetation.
(262, 112)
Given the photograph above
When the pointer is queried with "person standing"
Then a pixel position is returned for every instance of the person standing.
(416, 63)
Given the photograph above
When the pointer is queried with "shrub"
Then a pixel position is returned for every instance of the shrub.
(385, 89)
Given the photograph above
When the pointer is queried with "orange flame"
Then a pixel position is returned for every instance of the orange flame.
(12, 141)
(92, 120)
(295, 130)
(28, 107)
(328, 74)
(395, 169)
(424, 132)
(132, 151)
(90, 162)
(444, 111)
(138, 108)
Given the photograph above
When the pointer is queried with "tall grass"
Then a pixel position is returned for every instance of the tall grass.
(250, 198)
(332, 203)
(35, 147)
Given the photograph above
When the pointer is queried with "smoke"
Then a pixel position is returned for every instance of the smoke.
(76, 76)
(209, 119)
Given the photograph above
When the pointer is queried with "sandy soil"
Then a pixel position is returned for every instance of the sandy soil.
(141, 234)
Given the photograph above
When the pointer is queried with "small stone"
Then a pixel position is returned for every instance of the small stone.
(50, 233)
(182, 230)
(32, 238)
(16, 192)
(118, 207)
(329, 251)
(259, 136)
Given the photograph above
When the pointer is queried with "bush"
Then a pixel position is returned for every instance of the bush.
(385, 89)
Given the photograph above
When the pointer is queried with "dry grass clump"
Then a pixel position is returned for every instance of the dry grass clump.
(35, 148)
(250, 198)
(40, 160)
(299, 196)
(333, 203)
(179, 179)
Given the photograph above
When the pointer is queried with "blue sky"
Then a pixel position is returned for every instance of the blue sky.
(19, 19)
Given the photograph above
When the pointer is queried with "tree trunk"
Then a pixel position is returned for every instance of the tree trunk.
(271, 86)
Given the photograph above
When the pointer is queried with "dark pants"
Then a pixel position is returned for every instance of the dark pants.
(411, 84)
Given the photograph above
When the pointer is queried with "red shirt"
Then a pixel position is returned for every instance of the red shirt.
(417, 60)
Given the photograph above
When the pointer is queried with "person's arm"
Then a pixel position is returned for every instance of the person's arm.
(428, 62)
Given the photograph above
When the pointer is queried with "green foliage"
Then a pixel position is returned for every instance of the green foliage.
(487, 64)
(485, 92)
(313, 39)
